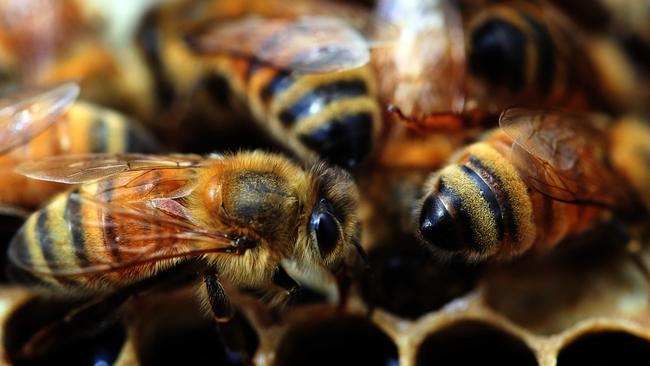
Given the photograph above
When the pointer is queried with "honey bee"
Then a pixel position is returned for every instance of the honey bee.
(537, 54)
(541, 178)
(422, 73)
(306, 80)
(254, 220)
(43, 42)
(48, 121)
(451, 71)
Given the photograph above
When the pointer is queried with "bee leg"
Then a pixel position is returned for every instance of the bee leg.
(218, 299)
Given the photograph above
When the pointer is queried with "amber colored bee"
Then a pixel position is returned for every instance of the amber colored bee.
(450, 71)
(306, 80)
(542, 58)
(47, 122)
(625, 19)
(422, 74)
(541, 178)
(254, 220)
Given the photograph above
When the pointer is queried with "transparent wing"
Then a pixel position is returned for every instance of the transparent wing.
(308, 44)
(75, 169)
(27, 114)
(562, 155)
(131, 235)
(423, 72)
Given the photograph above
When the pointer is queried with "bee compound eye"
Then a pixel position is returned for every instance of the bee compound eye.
(438, 227)
(327, 232)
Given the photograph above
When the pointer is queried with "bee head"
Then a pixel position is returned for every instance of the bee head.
(300, 225)
(333, 225)
(329, 234)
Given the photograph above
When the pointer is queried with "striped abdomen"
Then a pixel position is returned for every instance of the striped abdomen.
(515, 47)
(335, 115)
(72, 243)
(85, 128)
(480, 207)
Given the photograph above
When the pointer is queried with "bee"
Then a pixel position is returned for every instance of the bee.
(49, 121)
(422, 73)
(254, 220)
(43, 42)
(537, 54)
(542, 177)
(451, 71)
(306, 80)
(625, 19)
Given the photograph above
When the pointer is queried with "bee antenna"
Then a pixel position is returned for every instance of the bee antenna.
(362, 253)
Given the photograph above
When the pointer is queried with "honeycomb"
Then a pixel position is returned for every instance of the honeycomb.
(586, 303)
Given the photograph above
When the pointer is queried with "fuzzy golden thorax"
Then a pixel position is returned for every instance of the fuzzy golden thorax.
(277, 207)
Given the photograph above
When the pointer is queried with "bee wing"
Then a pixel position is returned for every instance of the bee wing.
(24, 116)
(315, 44)
(75, 169)
(561, 155)
(131, 235)
(423, 72)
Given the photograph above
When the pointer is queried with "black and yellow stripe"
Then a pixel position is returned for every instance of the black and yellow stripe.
(333, 116)
(76, 243)
(62, 245)
(336, 115)
(480, 207)
(96, 129)
(515, 46)
(46, 244)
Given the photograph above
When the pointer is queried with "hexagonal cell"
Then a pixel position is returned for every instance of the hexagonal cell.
(605, 348)
(344, 340)
(196, 341)
(589, 276)
(472, 342)
(101, 347)
(407, 281)
(199, 344)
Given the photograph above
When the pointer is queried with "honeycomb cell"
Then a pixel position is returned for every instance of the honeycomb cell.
(606, 348)
(197, 343)
(407, 281)
(473, 343)
(70, 348)
(346, 340)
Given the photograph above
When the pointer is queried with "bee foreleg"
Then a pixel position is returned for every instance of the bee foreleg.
(218, 299)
